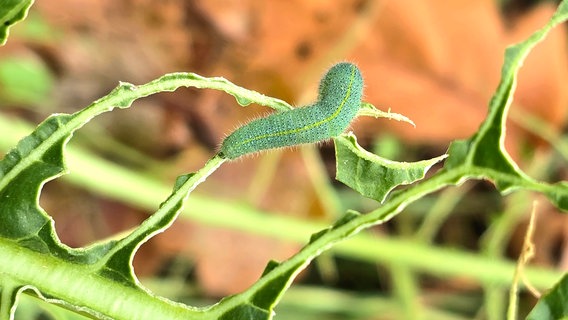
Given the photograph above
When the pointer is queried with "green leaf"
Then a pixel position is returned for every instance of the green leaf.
(12, 11)
(22, 173)
(373, 176)
(553, 305)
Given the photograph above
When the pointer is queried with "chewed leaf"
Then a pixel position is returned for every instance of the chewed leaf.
(28, 231)
(369, 110)
(39, 157)
(371, 175)
(486, 148)
(36, 159)
(484, 155)
(12, 11)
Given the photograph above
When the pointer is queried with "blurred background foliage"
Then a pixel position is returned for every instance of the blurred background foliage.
(437, 62)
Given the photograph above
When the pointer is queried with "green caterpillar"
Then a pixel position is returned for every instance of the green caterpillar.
(339, 99)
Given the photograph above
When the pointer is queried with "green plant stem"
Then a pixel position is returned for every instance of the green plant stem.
(390, 208)
(145, 192)
(75, 286)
